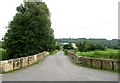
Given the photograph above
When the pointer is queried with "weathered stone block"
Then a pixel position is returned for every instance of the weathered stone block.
(73, 55)
(107, 64)
(31, 60)
(115, 65)
(97, 63)
(35, 58)
(24, 61)
(7, 65)
(44, 54)
(16, 63)
(77, 60)
(85, 61)
(39, 56)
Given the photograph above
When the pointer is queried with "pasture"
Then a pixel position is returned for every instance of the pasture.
(106, 54)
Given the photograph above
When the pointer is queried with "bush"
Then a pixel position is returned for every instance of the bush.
(65, 52)
(4, 55)
(116, 47)
(86, 46)
(53, 52)
(68, 46)
(57, 47)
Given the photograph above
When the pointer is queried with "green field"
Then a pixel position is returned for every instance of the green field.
(106, 54)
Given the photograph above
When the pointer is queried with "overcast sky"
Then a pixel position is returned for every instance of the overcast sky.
(73, 18)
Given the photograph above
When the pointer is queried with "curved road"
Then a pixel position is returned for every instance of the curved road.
(59, 67)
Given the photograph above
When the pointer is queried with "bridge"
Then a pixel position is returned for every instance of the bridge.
(59, 67)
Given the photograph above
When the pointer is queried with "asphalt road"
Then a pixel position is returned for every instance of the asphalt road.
(59, 67)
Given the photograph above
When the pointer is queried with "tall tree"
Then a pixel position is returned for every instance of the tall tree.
(29, 32)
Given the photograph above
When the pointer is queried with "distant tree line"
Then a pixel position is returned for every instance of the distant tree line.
(114, 43)
(68, 46)
(86, 46)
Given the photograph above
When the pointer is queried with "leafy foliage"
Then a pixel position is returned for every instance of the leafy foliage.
(68, 46)
(29, 32)
(65, 52)
(57, 47)
(53, 52)
(106, 54)
(1, 43)
(86, 46)
(3, 54)
(107, 43)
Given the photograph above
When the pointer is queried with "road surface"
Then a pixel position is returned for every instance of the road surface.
(59, 67)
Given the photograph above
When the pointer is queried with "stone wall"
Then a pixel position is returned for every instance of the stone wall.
(97, 63)
(106, 64)
(13, 64)
(6, 65)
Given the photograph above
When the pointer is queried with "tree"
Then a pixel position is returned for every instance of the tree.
(57, 47)
(83, 46)
(0, 44)
(86, 46)
(29, 32)
(68, 46)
